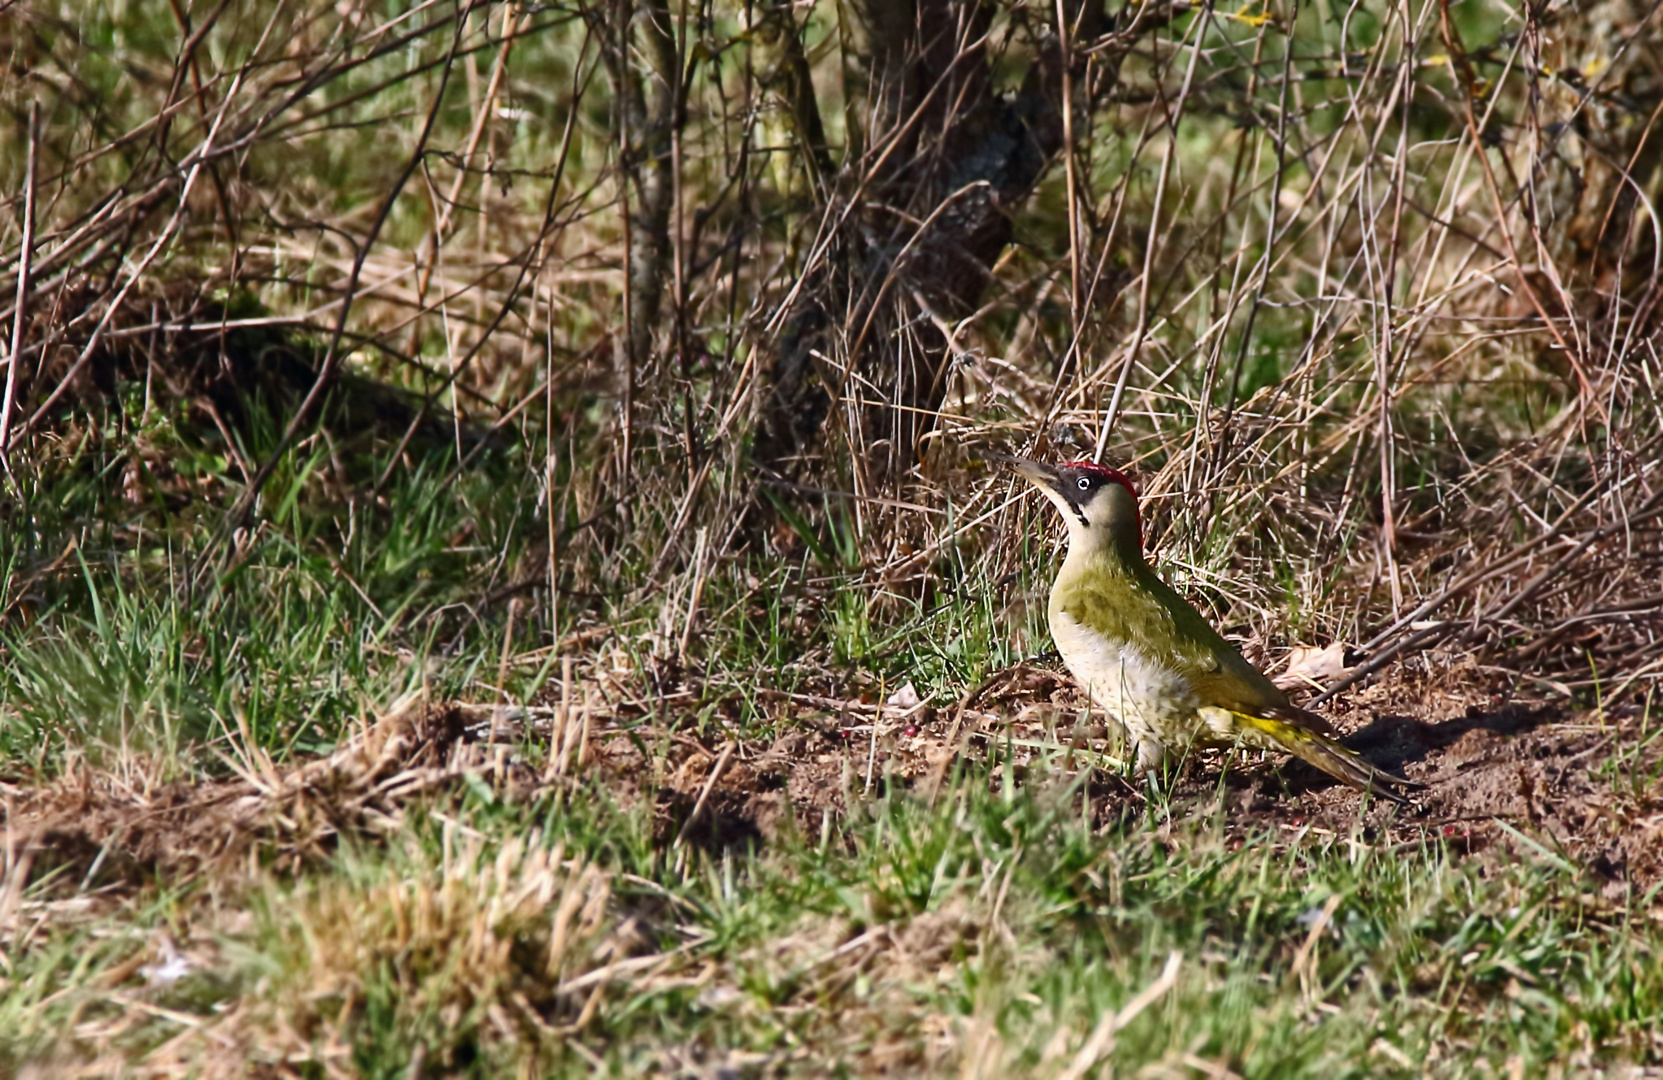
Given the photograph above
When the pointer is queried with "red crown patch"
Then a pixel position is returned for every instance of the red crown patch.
(1113, 476)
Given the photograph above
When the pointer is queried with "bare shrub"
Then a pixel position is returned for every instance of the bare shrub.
(1367, 294)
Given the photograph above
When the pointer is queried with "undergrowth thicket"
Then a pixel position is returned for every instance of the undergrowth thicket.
(649, 363)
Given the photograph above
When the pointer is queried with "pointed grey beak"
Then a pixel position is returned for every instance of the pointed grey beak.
(1043, 476)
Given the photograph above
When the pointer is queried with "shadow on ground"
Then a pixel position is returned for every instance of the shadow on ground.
(1504, 778)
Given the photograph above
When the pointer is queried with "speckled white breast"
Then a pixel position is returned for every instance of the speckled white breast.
(1156, 704)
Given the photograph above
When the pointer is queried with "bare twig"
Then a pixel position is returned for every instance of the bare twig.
(26, 251)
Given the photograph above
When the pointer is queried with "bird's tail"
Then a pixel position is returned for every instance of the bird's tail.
(1329, 755)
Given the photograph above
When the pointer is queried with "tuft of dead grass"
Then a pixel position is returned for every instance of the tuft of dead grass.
(1367, 297)
(443, 938)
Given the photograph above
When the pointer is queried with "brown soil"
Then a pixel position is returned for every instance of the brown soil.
(1504, 777)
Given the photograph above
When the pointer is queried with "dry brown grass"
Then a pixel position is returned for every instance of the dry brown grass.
(514, 948)
(1373, 378)
(1366, 296)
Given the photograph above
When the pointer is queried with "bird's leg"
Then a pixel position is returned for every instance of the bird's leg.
(1151, 757)
(1159, 771)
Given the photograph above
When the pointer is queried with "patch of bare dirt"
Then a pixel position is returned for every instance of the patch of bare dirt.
(1505, 775)
(1586, 788)
(1502, 774)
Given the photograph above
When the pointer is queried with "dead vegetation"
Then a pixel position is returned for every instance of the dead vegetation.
(522, 944)
(1491, 757)
(605, 391)
(1386, 364)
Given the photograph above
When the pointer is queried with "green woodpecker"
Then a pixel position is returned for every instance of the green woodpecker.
(1149, 658)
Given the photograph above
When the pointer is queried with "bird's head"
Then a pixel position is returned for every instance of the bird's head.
(1099, 503)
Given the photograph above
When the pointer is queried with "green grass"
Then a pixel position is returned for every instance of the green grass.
(989, 932)
(342, 596)
(508, 921)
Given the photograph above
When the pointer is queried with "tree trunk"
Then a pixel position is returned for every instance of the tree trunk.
(645, 114)
(946, 163)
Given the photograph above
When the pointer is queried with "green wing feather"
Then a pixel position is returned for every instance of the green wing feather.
(1132, 604)
(1340, 762)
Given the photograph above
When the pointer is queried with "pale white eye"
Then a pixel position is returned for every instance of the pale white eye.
(1085, 483)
